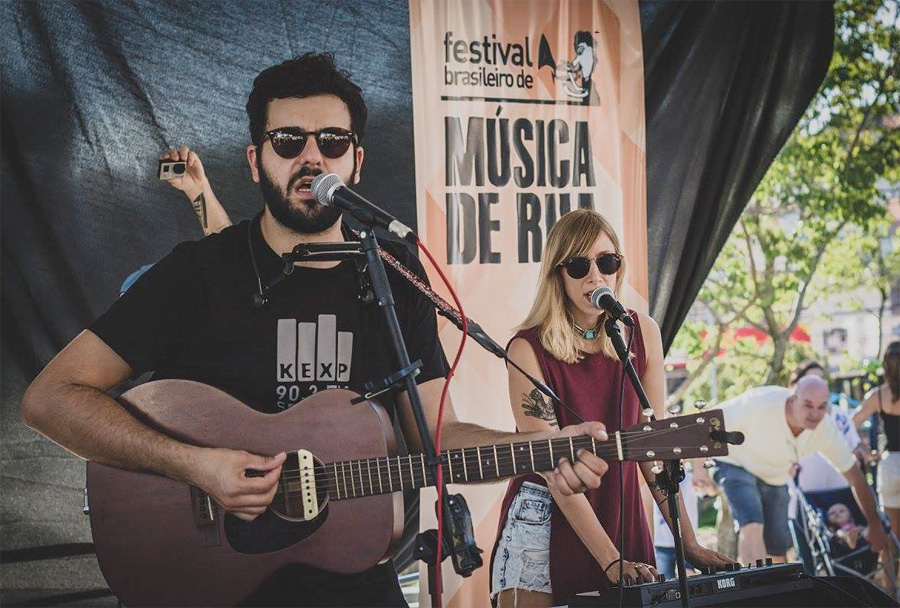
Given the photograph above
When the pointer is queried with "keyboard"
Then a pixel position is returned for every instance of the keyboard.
(712, 587)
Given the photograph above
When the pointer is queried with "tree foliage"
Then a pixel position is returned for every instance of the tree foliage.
(814, 222)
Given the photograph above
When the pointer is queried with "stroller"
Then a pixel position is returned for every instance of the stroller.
(823, 554)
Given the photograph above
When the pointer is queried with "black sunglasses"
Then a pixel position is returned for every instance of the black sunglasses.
(289, 142)
(607, 263)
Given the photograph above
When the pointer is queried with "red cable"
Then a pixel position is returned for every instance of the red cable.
(437, 434)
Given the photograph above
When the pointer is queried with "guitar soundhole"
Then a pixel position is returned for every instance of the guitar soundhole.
(269, 532)
(284, 523)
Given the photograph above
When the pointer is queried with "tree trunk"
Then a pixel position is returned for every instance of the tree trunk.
(884, 297)
(777, 362)
(708, 358)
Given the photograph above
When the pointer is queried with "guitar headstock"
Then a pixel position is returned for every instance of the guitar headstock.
(698, 435)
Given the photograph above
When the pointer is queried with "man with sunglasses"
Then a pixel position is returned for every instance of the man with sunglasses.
(221, 311)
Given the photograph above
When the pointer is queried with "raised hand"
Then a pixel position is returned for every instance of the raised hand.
(195, 185)
(193, 181)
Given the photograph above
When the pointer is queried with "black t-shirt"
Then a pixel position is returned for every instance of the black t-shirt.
(191, 316)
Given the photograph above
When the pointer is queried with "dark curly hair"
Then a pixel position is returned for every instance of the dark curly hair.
(304, 76)
(804, 368)
(891, 364)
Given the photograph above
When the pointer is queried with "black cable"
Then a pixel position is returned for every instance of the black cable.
(622, 476)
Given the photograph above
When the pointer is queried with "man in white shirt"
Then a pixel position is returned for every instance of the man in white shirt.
(781, 427)
(815, 474)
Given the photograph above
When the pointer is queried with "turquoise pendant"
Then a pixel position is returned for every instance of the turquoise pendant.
(590, 334)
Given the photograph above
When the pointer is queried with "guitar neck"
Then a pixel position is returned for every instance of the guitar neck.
(358, 478)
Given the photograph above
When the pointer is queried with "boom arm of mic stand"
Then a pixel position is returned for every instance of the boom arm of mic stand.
(487, 343)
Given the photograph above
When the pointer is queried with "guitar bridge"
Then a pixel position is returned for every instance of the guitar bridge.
(307, 468)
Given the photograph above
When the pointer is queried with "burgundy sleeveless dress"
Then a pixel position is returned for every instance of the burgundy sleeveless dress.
(591, 388)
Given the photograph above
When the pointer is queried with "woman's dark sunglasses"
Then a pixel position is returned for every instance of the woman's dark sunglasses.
(607, 263)
(289, 142)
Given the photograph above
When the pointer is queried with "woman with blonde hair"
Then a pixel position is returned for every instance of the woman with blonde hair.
(550, 545)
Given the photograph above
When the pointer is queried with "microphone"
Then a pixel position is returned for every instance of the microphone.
(329, 189)
(604, 299)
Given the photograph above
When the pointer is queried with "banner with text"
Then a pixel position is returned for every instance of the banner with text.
(523, 111)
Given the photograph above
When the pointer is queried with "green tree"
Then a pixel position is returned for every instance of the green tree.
(784, 251)
(877, 251)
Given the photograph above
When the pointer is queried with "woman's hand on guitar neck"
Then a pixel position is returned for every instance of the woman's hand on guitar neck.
(575, 478)
(242, 483)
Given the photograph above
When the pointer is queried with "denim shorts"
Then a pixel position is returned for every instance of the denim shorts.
(522, 560)
(754, 501)
(889, 480)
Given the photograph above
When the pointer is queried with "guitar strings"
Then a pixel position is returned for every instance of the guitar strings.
(539, 449)
(352, 483)
(353, 477)
(388, 465)
(354, 469)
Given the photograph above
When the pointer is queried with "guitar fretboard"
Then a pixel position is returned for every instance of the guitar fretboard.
(358, 478)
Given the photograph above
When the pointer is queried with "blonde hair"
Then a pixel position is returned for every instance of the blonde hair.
(572, 236)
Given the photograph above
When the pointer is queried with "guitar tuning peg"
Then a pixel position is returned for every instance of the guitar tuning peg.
(709, 463)
(657, 468)
(647, 412)
(676, 408)
(700, 404)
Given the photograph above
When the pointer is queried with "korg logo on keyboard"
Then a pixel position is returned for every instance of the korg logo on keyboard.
(311, 352)
(725, 583)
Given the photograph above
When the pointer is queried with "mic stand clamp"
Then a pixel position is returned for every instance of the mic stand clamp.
(672, 474)
(453, 510)
(459, 544)
(321, 252)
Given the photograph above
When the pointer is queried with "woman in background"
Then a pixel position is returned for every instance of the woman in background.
(885, 400)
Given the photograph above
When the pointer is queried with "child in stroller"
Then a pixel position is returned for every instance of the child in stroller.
(830, 538)
(845, 530)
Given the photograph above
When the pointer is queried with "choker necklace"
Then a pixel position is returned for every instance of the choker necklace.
(587, 334)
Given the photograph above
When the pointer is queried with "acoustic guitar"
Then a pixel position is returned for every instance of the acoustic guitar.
(338, 506)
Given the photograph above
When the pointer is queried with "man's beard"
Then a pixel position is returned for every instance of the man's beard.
(309, 217)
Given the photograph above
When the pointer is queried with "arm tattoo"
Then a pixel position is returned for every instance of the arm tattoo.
(537, 406)
(199, 204)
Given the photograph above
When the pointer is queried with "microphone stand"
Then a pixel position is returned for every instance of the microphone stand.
(451, 508)
(672, 474)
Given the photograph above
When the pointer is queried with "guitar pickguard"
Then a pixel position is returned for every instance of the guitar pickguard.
(268, 532)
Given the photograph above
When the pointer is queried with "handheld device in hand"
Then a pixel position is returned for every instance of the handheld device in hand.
(170, 169)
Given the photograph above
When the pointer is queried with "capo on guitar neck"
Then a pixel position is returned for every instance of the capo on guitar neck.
(379, 387)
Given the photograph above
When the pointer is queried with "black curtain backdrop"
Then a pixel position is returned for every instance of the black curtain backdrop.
(725, 83)
(92, 92)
